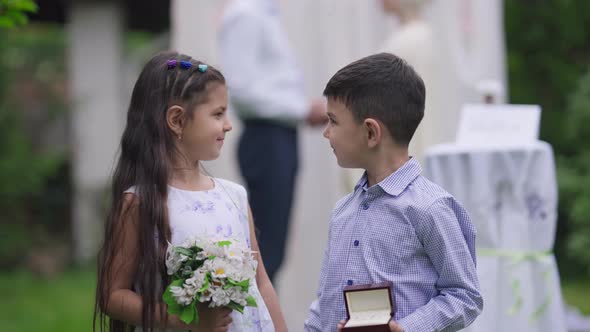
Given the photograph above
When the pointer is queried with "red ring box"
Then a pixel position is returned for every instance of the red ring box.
(369, 307)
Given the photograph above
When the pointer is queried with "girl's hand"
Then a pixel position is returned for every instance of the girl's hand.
(213, 319)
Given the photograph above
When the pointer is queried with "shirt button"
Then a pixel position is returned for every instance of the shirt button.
(356, 243)
(349, 282)
(365, 206)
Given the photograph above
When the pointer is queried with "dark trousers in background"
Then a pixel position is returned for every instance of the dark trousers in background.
(268, 160)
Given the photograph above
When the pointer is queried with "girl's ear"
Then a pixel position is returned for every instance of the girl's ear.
(373, 132)
(176, 119)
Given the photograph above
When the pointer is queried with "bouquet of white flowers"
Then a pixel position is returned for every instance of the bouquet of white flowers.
(202, 270)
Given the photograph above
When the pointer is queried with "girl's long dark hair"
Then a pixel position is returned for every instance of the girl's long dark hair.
(147, 148)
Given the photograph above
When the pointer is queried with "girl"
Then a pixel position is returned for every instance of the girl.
(177, 117)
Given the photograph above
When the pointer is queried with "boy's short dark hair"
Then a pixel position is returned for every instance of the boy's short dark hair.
(384, 87)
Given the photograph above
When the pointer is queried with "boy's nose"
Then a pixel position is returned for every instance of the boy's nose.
(325, 133)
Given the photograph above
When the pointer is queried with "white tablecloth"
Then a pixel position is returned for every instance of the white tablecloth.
(511, 196)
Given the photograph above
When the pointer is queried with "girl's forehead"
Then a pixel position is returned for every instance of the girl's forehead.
(215, 97)
(212, 90)
(217, 90)
(214, 87)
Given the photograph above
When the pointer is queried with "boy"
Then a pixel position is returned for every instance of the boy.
(396, 225)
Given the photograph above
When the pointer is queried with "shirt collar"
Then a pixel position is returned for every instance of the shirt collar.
(397, 181)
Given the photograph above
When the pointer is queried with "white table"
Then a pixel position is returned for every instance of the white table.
(511, 196)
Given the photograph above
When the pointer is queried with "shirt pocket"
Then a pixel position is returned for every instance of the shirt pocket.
(391, 245)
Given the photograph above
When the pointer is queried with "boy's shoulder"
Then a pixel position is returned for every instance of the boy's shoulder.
(422, 192)
(419, 197)
(426, 199)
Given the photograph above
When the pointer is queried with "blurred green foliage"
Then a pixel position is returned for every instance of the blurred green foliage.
(548, 55)
(574, 176)
(34, 181)
(14, 12)
(35, 185)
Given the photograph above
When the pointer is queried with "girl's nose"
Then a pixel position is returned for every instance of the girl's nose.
(227, 127)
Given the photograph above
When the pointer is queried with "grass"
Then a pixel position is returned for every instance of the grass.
(65, 304)
(577, 293)
(29, 303)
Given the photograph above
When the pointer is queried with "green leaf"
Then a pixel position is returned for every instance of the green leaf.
(196, 264)
(224, 243)
(5, 22)
(205, 286)
(173, 307)
(17, 17)
(251, 302)
(196, 249)
(183, 251)
(244, 284)
(18, 6)
(25, 5)
(188, 314)
(234, 306)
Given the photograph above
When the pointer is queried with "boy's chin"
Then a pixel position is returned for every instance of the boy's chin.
(345, 164)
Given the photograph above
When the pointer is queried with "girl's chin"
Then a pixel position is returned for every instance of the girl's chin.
(212, 156)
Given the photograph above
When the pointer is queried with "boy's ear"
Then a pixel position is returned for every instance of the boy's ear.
(373, 131)
(175, 119)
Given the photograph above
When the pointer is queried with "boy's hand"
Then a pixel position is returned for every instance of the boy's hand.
(393, 326)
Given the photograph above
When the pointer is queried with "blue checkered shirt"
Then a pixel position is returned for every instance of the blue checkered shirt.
(411, 232)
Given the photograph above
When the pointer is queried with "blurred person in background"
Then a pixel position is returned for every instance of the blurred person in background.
(267, 92)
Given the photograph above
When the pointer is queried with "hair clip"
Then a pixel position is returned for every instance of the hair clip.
(171, 63)
(185, 64)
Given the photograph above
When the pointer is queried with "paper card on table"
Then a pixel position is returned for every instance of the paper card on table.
(498, 125)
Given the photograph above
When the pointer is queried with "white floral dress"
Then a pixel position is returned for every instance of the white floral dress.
(220, 213)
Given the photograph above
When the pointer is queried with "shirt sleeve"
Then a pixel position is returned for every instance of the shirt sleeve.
(448, 237)
(313, 322)
(253, 91)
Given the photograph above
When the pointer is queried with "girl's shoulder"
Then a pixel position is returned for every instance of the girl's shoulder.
(221, 185)
(231, 187)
